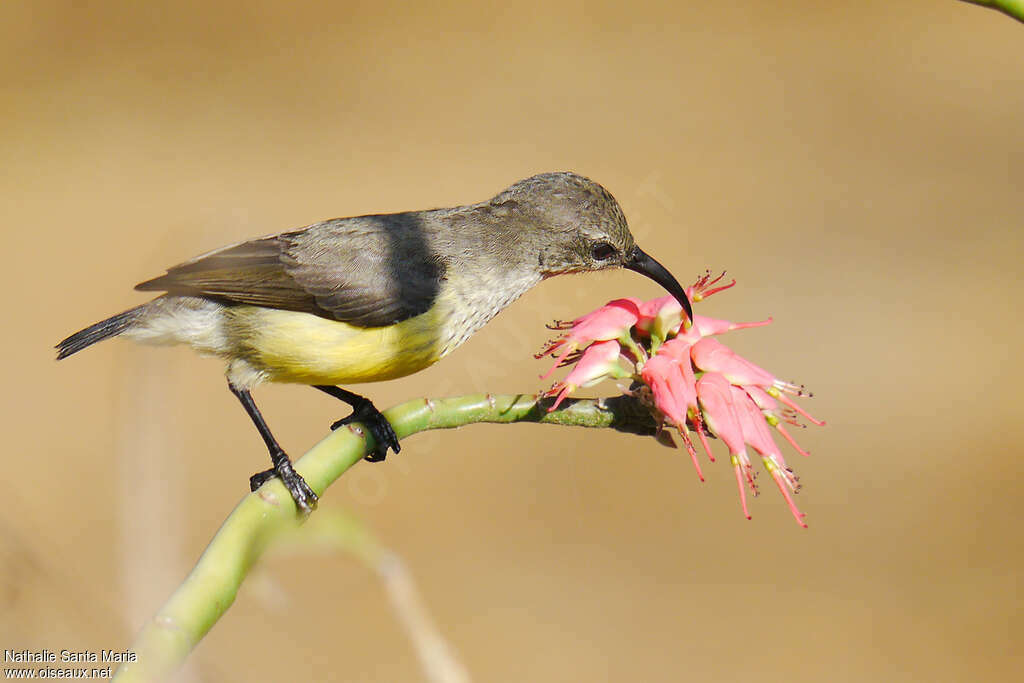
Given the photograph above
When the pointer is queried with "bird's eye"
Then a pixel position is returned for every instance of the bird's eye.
(603, 251)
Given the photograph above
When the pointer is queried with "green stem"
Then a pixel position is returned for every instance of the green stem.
(1011, 8)
(166, 640)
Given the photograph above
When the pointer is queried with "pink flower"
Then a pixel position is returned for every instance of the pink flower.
(757, 436)
(678, 350)
(669, 374)
(721, 416)
(713, 356)
(662, 318)
(706, 327)
(600, 361)
(659, 319)
(696, 383)
(614, 320)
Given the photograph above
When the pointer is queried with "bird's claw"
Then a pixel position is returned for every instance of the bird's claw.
(260, 478)
(304, 497)
(381, 430)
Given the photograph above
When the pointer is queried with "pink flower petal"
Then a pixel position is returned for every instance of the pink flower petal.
(739, 484)
(649, 310)
(659, 374)
(712, 355)
(598, 362)
(784, 486)
(679, 351)
(611, 321)
(755, 433)
(755, 428)
(762, 399)
(715, 395)
(770, 408)
(713, 326)
(655, 374)
(665, 376)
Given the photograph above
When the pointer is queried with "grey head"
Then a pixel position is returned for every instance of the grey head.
(575, 225)
(578, 223)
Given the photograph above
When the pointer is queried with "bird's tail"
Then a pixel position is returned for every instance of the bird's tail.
(104, 329)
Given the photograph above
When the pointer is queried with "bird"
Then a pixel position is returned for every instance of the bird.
(375, 297)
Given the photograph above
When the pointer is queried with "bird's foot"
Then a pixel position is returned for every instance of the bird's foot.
(304, 497)
(383, 433)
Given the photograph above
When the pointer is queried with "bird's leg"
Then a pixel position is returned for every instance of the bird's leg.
(305, 499)
(364, 411)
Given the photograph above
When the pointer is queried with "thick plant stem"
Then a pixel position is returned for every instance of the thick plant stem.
(166, 640)
(1011, 8)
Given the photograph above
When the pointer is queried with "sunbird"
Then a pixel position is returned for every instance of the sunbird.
(371, 298)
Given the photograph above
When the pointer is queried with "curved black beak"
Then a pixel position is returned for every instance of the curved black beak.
(640, 262)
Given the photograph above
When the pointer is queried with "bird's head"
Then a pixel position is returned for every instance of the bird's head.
(575, 226)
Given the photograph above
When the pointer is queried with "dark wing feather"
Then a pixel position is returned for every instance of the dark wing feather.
(250, 272)
(368, 271)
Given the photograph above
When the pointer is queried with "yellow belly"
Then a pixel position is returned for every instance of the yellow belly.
(298, 347)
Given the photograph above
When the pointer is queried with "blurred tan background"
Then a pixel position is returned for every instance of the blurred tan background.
(858, 167)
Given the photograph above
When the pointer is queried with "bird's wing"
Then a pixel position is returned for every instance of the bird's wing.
(368, 271)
